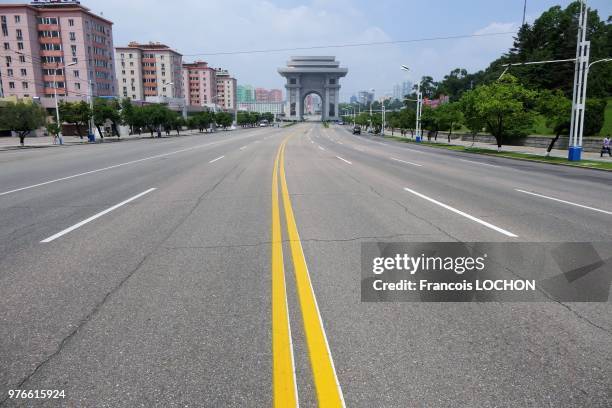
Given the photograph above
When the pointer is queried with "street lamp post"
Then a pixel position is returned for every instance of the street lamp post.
(419, 108)
(57, 114)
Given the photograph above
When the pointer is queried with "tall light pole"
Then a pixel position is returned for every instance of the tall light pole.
(57, 114)
(419, 108)
(579, 88)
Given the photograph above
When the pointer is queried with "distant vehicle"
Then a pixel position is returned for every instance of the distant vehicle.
(340, 122)
(357, 130)
(263, 123)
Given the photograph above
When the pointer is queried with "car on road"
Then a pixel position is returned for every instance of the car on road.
(263, 123)
(340, 122)
(357, 130)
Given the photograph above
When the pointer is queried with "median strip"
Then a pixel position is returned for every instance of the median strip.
(283, 371)
(93, 217)
(463, 214)
(329, 393)
(564, 201)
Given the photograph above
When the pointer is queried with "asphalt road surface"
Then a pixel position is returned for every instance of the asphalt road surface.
(223, 270)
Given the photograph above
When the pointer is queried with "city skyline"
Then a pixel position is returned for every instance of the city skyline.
(317, 23)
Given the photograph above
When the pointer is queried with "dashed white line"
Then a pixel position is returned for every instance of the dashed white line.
(475, 162)
(320, 147)
(344, 160)
(243, 147)
(466, 215)
(407, 162)
(218, 158)
(93, 217)
(564, 201)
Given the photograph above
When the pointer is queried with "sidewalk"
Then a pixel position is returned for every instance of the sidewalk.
(12, 143)
(538, 151)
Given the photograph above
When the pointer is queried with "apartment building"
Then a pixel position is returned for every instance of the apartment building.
(226, 90)
(151, 70)
(52, 46)
(200, 84)
(275, 95)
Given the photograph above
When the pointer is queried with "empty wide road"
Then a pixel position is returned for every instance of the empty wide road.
(223, 270)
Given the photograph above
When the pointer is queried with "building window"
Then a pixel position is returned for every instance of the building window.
(70, 22)
(19, 34)
(332, 81)
(24, 85)
(24, 72)
(76, 73)
(7, 46)
(73, 48)
(292, 81)
(72, 36)
(11, 85)
(22, 58)
(77, 85)
(9, 72)
(124, 80)
(8, 61)
(17, 19)
(20, 46)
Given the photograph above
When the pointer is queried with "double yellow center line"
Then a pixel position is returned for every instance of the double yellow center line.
(329, 393)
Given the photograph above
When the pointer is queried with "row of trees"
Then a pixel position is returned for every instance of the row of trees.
(505, 108)
(24, 118)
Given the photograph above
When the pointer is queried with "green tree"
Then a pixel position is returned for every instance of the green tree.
(594, 115)
(223, 119)
(129, 116)
(472, 118)
(106, 110)
(449, 115)
(557, 110)
(77, 114)
(22, 118)
(269, 116)
(430, 120)
(506, 108)
(407, 119)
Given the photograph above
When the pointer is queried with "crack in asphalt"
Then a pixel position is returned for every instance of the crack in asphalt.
(98, 306)
(260, 243)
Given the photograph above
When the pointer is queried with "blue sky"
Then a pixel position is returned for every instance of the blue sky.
(205, 26)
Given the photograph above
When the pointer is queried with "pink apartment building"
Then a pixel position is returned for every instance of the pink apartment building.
(149, 70)
(275, 95)
(200, 84)
(40, 39)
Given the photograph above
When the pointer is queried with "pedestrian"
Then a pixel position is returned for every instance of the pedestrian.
(606, 146)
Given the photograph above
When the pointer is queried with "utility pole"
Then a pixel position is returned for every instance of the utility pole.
(579, 91)
(419, 109)
(383, 119)
(90, 131)
(524, 12)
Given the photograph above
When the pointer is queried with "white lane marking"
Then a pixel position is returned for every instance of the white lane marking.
(468, 216)
(93, 217)
(475, 162)
(243, 147)
(340, 142)
(344, 160)
(564, 201)
(320, 147)
(108, 168)
(407, 162)
(218, 158)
